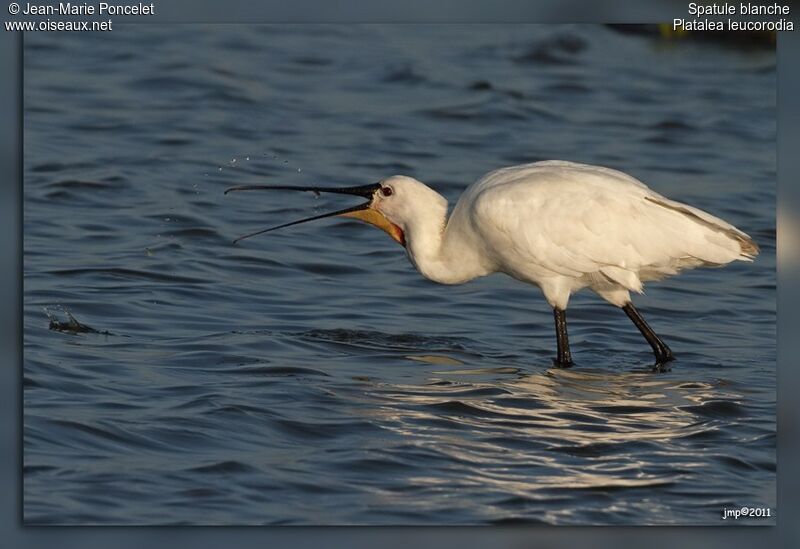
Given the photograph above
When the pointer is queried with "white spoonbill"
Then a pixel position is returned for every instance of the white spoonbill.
(561, 226)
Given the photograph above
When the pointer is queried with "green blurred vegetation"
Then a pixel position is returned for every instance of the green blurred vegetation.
(664, 31)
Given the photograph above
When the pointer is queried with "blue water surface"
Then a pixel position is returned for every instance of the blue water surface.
(312, 376)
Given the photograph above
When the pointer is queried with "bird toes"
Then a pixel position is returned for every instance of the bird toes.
(563, 363)
(662, 366)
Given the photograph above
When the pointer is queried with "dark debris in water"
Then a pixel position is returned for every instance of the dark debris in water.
(71, 325)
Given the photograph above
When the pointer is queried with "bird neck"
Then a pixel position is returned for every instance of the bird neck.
(441, 252)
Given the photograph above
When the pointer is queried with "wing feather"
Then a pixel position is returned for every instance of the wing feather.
(573, 220)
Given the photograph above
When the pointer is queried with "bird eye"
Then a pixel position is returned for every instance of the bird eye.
(386, 191)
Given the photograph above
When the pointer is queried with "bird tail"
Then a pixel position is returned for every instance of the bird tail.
(721, 231)
(749, 248)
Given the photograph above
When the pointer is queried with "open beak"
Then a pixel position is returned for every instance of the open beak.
(365, 212)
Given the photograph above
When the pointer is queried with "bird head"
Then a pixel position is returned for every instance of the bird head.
(393, 204)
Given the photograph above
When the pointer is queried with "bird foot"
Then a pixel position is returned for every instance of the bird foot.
(563, 363)
(663, 364)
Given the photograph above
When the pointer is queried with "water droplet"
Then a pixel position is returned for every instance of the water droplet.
(233, 160)
(247, 158)
(220, 168)
(299, 169)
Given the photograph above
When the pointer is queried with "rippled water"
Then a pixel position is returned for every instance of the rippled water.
(312, 376)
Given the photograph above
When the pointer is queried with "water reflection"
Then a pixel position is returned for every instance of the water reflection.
(537, 437)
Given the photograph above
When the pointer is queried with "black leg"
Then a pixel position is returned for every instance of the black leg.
(662, 352)
(564, 358)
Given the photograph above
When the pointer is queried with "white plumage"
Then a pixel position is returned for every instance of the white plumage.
(565, 226)
(561, 226)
